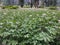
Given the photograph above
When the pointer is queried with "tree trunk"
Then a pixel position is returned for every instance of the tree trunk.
(21, 3)
(52, 2)
(42, 3)
(36, 3)
(0, 1)
(31, 4)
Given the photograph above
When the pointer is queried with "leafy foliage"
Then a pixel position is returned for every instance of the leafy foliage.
(53, 8)
(9, 7)
(28, 27)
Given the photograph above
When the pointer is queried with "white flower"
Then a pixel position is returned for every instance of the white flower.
(59, 21)
(53, 16)
(30, 15)
(17, 22)
(37, 14)
(53, 12)
(4, 13)
(9, 22)
(1, 26)
(26, 35)
(44, 14)
(1, 23)
(12, 30)
(33, 18)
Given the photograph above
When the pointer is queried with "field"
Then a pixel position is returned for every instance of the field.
(29, 27)
(32, 10)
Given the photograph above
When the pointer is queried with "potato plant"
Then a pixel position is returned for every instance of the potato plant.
(28, 27)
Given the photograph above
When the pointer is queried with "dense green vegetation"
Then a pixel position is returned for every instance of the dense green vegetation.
(29, 27)
(9, 7)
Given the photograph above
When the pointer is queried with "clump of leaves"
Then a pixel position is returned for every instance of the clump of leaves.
(52, 8)
(10, 7)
